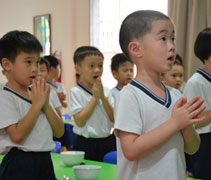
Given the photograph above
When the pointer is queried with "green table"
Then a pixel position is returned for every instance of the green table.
(71, 122)
(107, 172)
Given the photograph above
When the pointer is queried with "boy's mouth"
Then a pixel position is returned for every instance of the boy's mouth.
(171, 59)
(32, 77)
(95, 77)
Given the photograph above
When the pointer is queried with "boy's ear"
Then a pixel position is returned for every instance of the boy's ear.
(77, 69)
(135, 49)
(6, 64)
(115, 74)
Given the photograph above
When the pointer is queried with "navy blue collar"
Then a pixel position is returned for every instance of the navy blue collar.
(204, 74)
(165, 102)
(84, 88)
(118, 88)
(17, 94)
(51, 84)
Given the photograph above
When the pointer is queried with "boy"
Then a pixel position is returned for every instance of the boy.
(54, 72)
(200, 85)
(27, 122)
(90, 104)
(122, 71)
(175, 76)
(53, 98)
(152, 131)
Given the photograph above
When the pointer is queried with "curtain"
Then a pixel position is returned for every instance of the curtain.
(190, 17)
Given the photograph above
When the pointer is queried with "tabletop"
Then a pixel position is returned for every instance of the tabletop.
(107, 172)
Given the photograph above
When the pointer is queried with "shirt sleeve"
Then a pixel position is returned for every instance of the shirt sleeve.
(8, 110)
(127, 113)
(74, 102)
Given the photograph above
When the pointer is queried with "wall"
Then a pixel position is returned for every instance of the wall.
(69, 22)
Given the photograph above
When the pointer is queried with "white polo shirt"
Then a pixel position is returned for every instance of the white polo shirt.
(99, 124)
(138, 110)
(13, 108)
(200, 85)
(115, 91)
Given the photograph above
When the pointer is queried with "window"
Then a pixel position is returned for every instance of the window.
(106, 18)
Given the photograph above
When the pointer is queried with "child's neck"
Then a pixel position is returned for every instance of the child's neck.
(207, 66)
(120, 85)
(87, 85)
(23, 90)
(152, 82)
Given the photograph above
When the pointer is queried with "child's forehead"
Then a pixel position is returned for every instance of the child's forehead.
(92, 58)
(28, 55)
(126, 64)
(162, 26)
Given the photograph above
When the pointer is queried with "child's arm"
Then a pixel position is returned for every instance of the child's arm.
(54, 118)
(82, 117)
(62, 98)
(137, 146)
(19, 131)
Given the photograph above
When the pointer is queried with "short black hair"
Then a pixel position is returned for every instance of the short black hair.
(202, 47)
(117, 60)
(13, 42)
(45, 61)
(137, 25)
(178, 60)
(83, 51)
(52, 60)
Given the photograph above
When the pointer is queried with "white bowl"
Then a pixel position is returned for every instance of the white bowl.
(71, 158)
(86, 172)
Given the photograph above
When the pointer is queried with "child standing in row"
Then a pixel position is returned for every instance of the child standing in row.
(153, 127)
(53, 98)
(27, 121)
(122, 70)
(54, 72)
(200, 85)
(90, 104)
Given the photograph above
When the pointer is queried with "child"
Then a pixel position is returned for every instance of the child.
(90, 104)
(122, 71)
(200, 85)
(54, 72)
(175, 76)
(152, 129)
(27, 121)
(53, 98)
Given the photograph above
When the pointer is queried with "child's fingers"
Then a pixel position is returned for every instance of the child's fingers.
(199, 119)
(42, 84)
(196, 112)
(195, 105)
(34, 87)
(192, 101)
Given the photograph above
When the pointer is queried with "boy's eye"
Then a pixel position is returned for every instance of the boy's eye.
(173, 39)
(163, 38)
